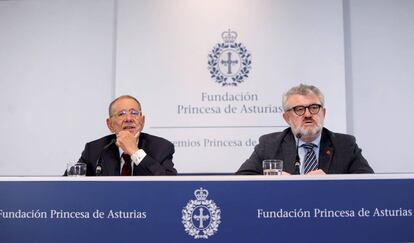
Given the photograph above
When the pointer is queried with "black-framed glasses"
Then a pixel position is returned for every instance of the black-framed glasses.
(300, 109)
(123, 113)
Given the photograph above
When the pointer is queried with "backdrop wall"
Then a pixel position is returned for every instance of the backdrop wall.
(62, 62)
(56, 66)
(380, 78)
(214, 123)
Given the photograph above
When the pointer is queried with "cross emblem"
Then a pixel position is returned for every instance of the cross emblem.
(229, 62)
(201, 217)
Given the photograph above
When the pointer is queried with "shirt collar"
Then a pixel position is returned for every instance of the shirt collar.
(317, 141)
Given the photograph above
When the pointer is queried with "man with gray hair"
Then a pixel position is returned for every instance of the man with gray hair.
(128, 151)
(306, 147)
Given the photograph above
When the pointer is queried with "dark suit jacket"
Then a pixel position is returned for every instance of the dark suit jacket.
(158, 160)
(338, 154)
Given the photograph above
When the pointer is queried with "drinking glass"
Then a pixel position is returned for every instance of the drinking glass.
(272, 167)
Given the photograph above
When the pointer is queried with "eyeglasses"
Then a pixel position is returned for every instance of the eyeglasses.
(123, 113)
(300, 109)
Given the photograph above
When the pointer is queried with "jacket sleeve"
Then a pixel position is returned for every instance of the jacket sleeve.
(253, 166)
(359, 164)
(159, 163)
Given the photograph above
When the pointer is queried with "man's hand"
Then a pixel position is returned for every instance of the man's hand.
(316, 172)
(127, 141)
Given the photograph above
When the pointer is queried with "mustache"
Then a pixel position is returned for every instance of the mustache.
(308, 119)
(129, 125)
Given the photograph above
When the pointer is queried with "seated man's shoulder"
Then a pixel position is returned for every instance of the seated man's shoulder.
(341, 136)
(154, 139)
(342, 140)
(103, 140)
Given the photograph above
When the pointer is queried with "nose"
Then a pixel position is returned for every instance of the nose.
(307, 112)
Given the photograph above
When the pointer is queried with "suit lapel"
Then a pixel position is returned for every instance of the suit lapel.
(326, 152)
(288, 153)
(142, 142)
(112, 161)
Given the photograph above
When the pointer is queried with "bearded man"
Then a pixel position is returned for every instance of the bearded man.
(306, 147)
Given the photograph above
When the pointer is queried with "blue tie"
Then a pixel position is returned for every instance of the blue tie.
(311, 163)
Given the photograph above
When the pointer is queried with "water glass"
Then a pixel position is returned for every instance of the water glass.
(272, 167)
(76, 169)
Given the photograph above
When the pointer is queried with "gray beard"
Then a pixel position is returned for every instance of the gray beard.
(312, 133)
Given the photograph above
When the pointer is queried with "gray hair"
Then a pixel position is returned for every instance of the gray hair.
(302, 89)
(121, 97)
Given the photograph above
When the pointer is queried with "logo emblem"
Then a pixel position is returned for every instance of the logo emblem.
(201, 217)
(229, 62)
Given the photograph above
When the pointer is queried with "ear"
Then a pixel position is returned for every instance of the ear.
(143, 122)
(109, 124)
(324, 112)
(286, 117)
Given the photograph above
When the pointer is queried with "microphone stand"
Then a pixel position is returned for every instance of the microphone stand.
(99, 167)
(297, 159)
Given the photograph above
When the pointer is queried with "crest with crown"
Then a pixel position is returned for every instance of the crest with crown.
(229, 36)
(229, 63)
(199, 210)
(201, 194)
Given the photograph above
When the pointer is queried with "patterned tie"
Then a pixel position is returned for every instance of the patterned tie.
(126, 168)
(311, 163)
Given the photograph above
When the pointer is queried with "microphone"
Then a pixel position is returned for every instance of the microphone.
(98, 170)
(297, 160)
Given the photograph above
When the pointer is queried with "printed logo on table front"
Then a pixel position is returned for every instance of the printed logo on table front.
(229, 63)
(201, 217)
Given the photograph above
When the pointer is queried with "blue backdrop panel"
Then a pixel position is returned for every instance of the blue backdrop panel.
(34, 211)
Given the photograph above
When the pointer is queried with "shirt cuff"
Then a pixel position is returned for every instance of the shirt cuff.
(138, 156)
